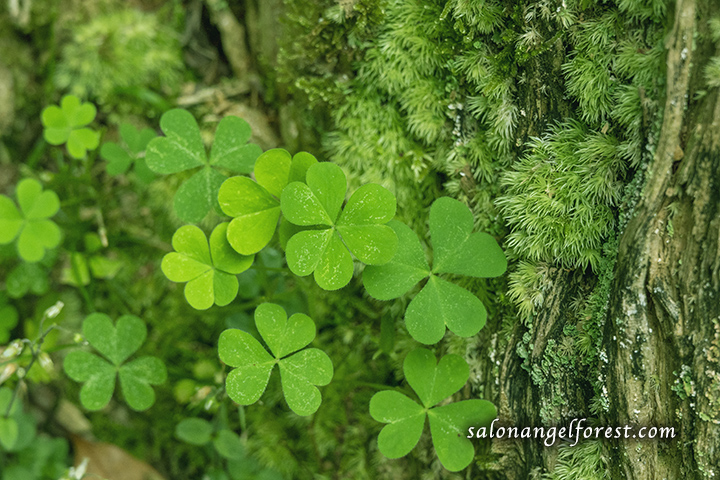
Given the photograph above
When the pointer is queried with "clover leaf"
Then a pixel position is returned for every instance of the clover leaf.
(27, 278)
(65, 124)
(79, 269)
(182, 149)
(358, 228)
(8, 432)
(131, 150)
(197, 431)
(30, 225)
(255, 205)
(81, 266)
(209, 270)
(194, 431)
(8, 425)
(406, 419)
(17, 429)
(457, 251)
(299, 372)
(8, 318)
(116, 343)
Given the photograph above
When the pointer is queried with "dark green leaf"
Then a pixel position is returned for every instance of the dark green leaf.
(449, 425)
(434, 382)
(229, 445)
(404, 271)
(198, 195)
(456, 249)
(97, 375)
(405, 420)
(299, 372)
(181, 148)
(230, 148)
(439, 304)
(251, 364)
(194, 431)
(136, 378)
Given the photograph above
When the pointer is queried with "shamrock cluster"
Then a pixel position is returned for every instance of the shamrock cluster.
(303, 204)
(265, 201)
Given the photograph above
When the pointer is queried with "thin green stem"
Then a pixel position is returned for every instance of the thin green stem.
(35, 350)
(81, 287)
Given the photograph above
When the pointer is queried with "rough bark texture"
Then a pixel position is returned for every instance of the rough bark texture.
(664, 312)
(520, 399)
(661, 345)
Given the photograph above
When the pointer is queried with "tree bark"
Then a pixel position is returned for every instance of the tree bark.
(663, 327)
(660, 353)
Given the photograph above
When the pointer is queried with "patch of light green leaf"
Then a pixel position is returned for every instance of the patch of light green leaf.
(559, 197)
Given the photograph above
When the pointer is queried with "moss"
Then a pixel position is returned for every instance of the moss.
(711, 407)
(559, 365)
(586, 460)
(320, 43)
(127, 57)
(684, 386)
(441, 101)
(559, 197)
(712, 69)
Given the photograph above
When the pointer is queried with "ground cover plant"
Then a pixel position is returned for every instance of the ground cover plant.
(321, 233)
(293, 239)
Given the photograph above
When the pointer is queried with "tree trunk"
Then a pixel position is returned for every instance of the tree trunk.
(660, 353)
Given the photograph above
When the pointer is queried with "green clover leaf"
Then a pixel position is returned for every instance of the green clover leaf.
(255, 205)
(457, 251)
(182, 149)
(30, 225)
(406, 419)
(116, 343)
(27, 278)
(194, 431)
(358, 228)
(131, 150)
(252, 364)
(8, 318)
(8, 425)
(8, 432)
(209, 270)
(64, 124)
(17, 429)
(82, 267)
(197, 431)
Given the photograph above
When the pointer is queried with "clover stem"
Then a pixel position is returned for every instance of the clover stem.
(58, 348)
(36, 153)
(121, 294)
(81, 287)
(313, 438)
(243, 420)
(90, 158)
